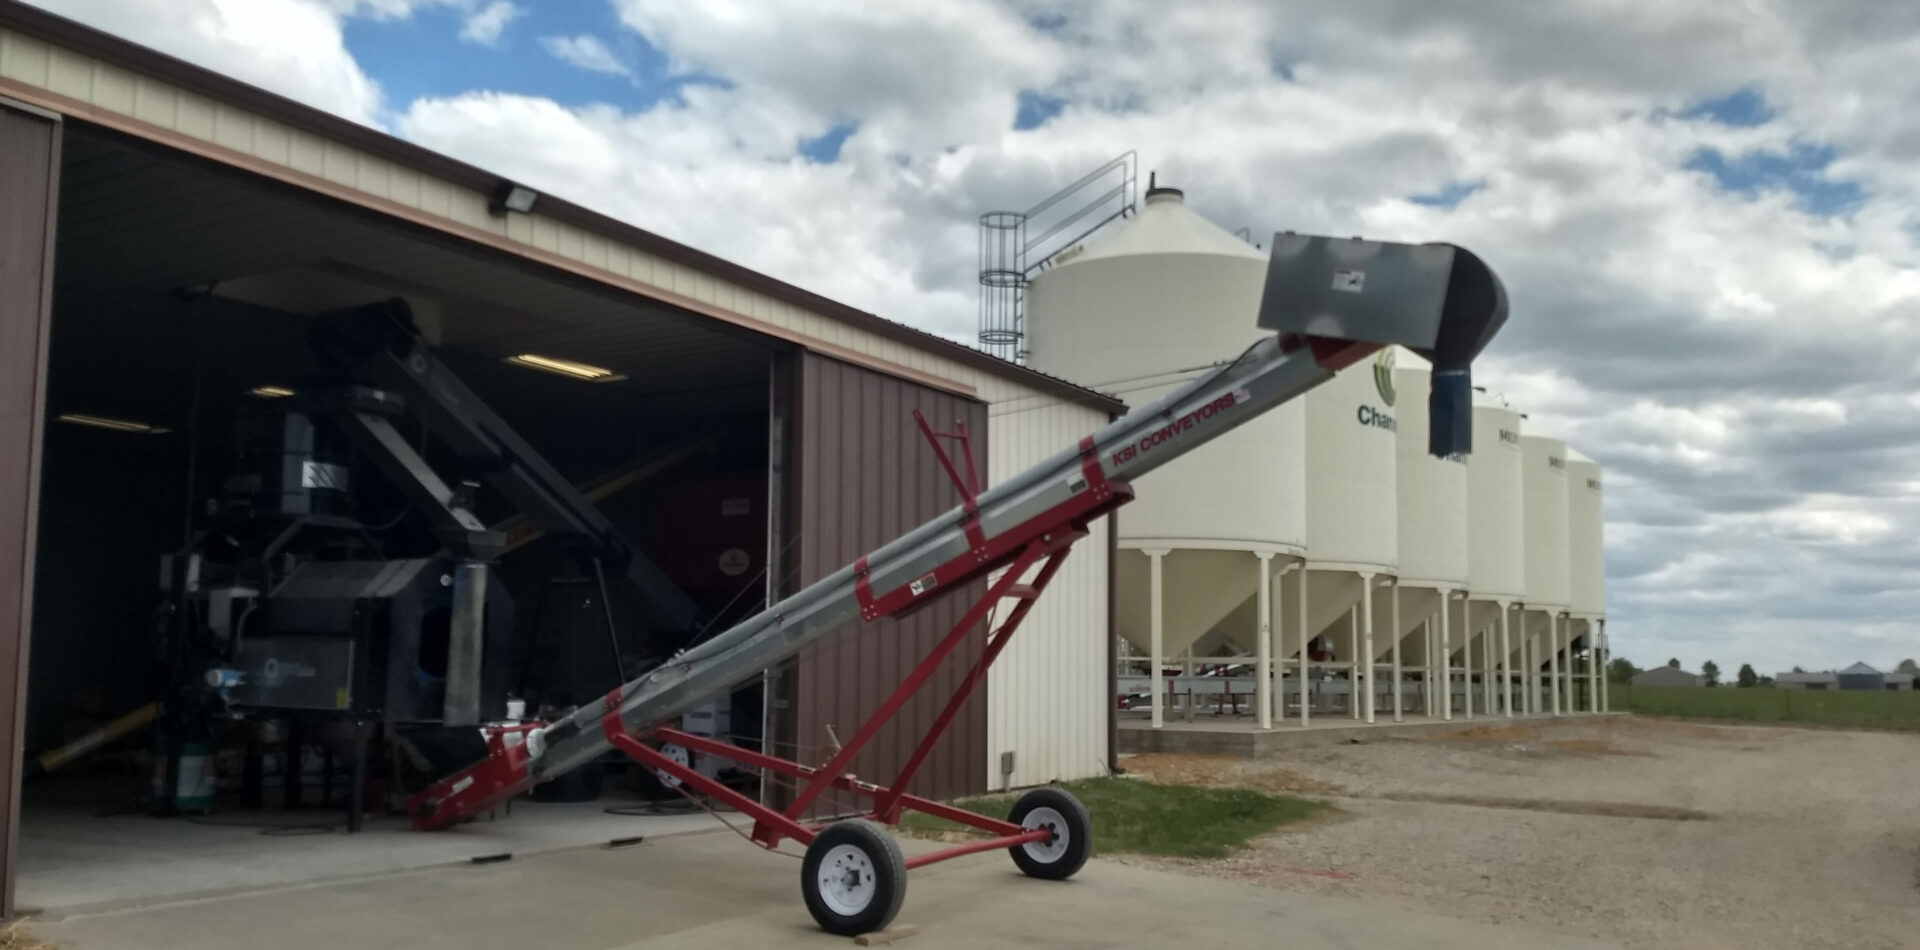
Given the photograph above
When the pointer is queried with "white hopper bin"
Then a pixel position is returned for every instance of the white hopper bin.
(1544, 478)
(1141, 308)
(1587, 571)
(1352, 523)
(1496, 543)
(1432, 542)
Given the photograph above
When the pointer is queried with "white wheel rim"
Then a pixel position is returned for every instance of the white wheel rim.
(679, 756)
(1047, 852)
(846, 880)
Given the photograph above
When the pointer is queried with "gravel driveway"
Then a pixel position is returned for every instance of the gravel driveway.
(1648, 833)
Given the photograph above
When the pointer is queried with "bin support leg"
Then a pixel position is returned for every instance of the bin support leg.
(1398, 671)
(1446, 656)
(1157, 621)
(1306, 663)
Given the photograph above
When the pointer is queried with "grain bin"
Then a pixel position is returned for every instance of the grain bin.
(1145, 306)
(1544, 481)
(1352, 516)
(1433, 549)
(1586, 565)
(1586, 569)
(1496, 542)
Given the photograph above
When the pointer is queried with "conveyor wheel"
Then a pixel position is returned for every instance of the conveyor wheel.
(1056, 810)
(854, 878)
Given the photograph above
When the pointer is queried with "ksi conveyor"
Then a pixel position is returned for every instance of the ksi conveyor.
(1328, 303)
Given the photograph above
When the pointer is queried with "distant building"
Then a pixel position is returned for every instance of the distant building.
(1857, 677)
(1826, 680)
(1667, 676)
(1862, 676)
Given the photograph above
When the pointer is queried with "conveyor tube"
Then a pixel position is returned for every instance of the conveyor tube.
(932, 558)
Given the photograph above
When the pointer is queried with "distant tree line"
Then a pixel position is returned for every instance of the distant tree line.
(1621, 671)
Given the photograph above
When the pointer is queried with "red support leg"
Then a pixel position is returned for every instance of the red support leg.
(966, 448)
(975, 847)
(761, 760)
(914, 681)
(762, 815)
(969, 489)
(888, 806)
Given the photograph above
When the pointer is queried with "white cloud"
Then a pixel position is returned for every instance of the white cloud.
(292, 47)
(587, 52)
(1743, 368)
(919, 75)
(484, 26)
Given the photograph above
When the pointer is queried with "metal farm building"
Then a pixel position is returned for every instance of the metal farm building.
(163, 234)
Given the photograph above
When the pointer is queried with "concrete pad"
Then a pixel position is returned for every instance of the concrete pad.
(73, 858)
(717, 891)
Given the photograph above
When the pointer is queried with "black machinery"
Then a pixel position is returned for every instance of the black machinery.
(289, 604)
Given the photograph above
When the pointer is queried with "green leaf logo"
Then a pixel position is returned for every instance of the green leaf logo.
(1383, 375)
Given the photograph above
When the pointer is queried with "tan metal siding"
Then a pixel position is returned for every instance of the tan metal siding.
(1050, 695)
(29, 170)
(864, 476)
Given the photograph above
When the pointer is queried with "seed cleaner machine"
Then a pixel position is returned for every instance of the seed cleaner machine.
(1327, 303)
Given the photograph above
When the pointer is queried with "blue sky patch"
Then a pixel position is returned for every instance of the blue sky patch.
(1800, 170)
(1282, 58)
(1035, 109)
(1047, 22)
(1745, 109)
(1449, 196)
(424, 56)
(825, 150)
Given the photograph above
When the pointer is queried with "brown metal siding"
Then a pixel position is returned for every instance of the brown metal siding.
(29, 149)
(864, 477)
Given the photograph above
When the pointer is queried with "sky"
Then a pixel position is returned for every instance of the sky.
(1704, 212)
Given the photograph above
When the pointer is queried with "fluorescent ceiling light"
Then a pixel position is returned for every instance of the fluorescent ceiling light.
(270, 392)
(586, 371)
(118, 425)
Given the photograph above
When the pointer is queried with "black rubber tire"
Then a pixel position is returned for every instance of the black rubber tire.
(889, 877)
(1078, 829)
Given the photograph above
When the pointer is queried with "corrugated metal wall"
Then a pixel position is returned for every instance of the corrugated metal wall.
(29, 169)
(1051, 698)
(863, 475)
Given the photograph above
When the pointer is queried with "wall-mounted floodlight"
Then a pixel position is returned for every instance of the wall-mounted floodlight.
(511, 197)
(117, 425)
(270, 392)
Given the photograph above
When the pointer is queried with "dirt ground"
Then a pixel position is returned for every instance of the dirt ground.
(1648, 833)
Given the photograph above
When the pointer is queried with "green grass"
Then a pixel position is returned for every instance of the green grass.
(1837, 708)
(1139, 817)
